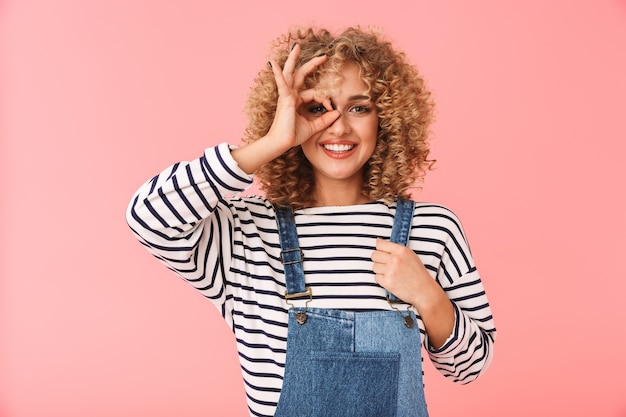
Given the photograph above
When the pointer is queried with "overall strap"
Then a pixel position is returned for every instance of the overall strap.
(402, 222)
(290, 254)
(401, 229)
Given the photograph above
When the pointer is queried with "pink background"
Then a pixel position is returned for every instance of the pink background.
(97, 96)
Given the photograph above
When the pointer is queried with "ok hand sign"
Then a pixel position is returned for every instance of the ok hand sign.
(289, 127)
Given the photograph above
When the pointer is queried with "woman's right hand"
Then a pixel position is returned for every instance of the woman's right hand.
(289, 127)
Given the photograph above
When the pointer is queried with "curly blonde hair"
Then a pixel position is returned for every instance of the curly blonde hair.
(404, 105)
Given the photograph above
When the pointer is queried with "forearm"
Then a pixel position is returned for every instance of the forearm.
(253, 155)
(469, 349)
(437, 313)
(175, 215)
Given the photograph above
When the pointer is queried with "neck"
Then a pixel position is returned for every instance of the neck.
(340, 194)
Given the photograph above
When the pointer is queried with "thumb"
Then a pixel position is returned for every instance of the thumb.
(324, 121)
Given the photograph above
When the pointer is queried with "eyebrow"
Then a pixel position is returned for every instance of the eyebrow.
(359, 97)
(352, 98)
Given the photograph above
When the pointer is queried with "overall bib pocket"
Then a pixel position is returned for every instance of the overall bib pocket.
(338, 378)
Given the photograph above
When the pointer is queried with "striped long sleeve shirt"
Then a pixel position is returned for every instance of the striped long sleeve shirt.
(192, 219)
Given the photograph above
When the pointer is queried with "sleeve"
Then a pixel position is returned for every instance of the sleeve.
(469, 350)
(183, 218)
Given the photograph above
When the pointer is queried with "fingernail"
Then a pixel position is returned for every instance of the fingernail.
(294, 45)
(269, 64)
(322, 54)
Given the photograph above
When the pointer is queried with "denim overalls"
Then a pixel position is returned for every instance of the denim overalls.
(342, 363)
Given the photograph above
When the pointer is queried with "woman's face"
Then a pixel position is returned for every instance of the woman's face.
(339, 152)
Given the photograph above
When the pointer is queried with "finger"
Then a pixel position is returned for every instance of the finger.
(290, 64)
(382, 245)
(387, 246)
(327, 104)
(309, 95)
(313, 95)
(379, 257)
(379, 269)
(307, 68)
(281, 83)
(324, 121)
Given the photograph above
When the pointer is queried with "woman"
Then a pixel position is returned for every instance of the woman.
(333, 280)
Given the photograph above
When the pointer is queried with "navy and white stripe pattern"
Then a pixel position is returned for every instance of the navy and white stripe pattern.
(227, 247)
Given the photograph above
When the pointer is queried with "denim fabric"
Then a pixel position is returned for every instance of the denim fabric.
(290, 250)
(401, 229)
(350, 364)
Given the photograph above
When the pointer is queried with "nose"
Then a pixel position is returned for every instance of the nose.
(339, 127)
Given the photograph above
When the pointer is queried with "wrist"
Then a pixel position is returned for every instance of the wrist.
(438, 315)
(255, 154)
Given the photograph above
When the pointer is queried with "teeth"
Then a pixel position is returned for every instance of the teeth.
(338, 148)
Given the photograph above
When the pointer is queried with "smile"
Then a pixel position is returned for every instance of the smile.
(337, 148)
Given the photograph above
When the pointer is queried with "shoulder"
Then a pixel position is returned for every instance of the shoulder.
(434, 209)
(435, 215)
(252, 208)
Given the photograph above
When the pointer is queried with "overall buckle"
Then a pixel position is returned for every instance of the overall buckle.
(408, 321)
(301, 315)
(287, 258)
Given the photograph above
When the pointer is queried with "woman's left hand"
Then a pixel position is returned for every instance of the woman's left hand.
(401, 272)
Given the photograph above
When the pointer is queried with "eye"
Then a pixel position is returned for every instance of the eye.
(317, 109)
(360, 109)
